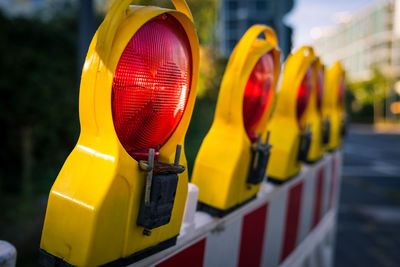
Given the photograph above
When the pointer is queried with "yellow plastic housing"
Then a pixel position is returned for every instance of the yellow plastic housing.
(314, 119)
(333, 110)
(94, 202)
(222, 164)
(284, 126)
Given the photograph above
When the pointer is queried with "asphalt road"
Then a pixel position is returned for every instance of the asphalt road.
(368, 232)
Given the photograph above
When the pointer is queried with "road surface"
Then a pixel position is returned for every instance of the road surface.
(368, 231)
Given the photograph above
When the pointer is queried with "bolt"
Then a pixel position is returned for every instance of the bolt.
(146, 232)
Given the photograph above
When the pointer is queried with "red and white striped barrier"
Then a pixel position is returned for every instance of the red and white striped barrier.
(288, 225)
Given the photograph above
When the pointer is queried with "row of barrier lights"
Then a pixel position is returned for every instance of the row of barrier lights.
(121, 193)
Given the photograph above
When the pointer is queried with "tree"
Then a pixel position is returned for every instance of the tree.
(370, 93)
(38, 107)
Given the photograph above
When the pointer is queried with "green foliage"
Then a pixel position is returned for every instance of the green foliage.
(204, 14)
(212, 68)
(205, 17)
(203, 115)
(363, 96)
(39, 91)
(367, 92)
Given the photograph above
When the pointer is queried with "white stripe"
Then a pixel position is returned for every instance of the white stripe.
(306, 254)
(326, 193)
(307, 205)
(223, 244)
(275, 227)
(338, 178)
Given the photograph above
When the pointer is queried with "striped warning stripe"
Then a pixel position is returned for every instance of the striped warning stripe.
(193, 254)
(267, 233)
(252, 237)
(292, 219)
(224, 241)
(306, 207)
(275, 230)
(334, 170)
(318, 191)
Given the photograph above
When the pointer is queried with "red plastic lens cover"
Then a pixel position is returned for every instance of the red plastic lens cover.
(151, 85)
(304, 92)
(257, 93)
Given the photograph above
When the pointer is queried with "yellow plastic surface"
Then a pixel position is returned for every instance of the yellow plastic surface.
(284, 127)
(94, 202)
(314, 119)
(333, 109)
(222, 164)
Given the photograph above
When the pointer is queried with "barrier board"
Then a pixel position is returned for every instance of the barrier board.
(286, 225)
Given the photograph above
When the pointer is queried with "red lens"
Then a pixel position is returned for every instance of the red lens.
(341, 92)
(257, 93)
(320, 88)
(151, 85)
(303, 94)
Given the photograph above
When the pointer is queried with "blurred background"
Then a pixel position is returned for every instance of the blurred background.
(44, 43)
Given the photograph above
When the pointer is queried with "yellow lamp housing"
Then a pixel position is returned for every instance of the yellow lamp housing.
(333, 104)
(103, 205)
(314, 115)
(290, 138)
(231, 162)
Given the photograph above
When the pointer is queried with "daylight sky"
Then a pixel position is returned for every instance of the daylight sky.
(308, 15)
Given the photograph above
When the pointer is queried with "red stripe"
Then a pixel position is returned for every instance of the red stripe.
(318, 198)
(333, 182)
(192, 256)
(252, 239)
(292, 220)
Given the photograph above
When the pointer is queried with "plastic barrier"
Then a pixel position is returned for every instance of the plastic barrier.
(288, 225)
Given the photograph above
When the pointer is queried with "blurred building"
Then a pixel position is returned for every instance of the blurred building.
(236, 16)
(50, 9)
(44, 9)
(30, 8)
(364, 40)
(21, 7)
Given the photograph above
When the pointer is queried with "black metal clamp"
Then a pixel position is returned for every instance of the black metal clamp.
(159, 192)
(305, 143)
(259, 160)
(326, 131)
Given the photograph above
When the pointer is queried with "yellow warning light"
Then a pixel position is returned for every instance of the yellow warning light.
(121, 192)
(231, 162)
(318, 126)
(333, 105)
(290, 134)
